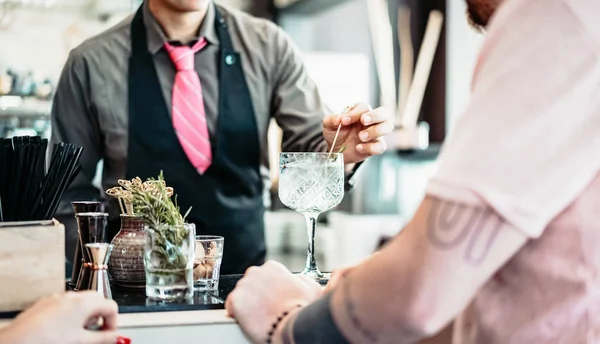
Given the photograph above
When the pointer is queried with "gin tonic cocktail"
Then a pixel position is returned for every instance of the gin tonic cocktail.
(311, 183)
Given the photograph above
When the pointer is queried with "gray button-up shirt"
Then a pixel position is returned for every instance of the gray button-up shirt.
(91, 104)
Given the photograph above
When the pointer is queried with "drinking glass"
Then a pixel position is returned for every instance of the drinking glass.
(169, 261)
(311, 183)
(207, 263)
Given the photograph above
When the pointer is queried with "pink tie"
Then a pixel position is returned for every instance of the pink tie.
(189, 116)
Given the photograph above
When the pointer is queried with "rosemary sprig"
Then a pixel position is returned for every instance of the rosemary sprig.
(152, 202)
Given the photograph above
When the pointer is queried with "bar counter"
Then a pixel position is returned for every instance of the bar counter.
(201, 319)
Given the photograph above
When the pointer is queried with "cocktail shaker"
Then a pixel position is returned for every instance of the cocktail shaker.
(81, 207)
(100, 254)
(92, 230)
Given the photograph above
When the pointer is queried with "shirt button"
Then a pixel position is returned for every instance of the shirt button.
(230, 60)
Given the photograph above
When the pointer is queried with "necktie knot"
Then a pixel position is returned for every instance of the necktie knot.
(183, 56)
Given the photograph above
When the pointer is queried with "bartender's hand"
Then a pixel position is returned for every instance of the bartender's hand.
(362, 132)
(62, 319)
(265, 293)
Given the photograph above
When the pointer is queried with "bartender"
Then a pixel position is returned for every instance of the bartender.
(189, 88)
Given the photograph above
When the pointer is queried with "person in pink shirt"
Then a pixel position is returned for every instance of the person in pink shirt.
(506, 243)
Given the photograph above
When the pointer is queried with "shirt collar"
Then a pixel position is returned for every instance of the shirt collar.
(157, 38)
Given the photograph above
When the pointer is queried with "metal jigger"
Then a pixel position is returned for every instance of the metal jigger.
(78, 208)
(100, 254)
(92, 227)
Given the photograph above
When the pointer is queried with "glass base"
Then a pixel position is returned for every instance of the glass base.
(317, 276)
(206, 284)
(169, 285)
(169, 293)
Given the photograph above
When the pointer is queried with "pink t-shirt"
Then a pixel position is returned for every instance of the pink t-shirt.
(529, 146)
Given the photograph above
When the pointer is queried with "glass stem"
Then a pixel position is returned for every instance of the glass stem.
(311, 226)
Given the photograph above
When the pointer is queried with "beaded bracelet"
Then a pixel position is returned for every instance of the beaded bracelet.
(277, 322)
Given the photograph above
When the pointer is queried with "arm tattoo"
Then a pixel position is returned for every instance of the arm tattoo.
(450, 224)
(314, 324)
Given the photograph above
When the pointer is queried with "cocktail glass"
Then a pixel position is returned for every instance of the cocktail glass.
(311, 183)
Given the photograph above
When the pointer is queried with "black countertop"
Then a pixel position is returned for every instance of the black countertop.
(135, 301)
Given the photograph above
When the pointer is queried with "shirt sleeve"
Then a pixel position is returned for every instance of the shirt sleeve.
(528, 142)
(296, 103)
(74, 121)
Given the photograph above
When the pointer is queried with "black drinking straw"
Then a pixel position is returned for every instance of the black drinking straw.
(42, 199)
(30, 147)
(37, 175)
(32, 157)
(20, 176)
(36, 172)
(27, 191)
(3, 169)
(72, 156)
(5, 148)
(64, 178)
(10, 184)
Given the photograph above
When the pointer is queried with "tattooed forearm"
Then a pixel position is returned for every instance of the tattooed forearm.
(352, 313)
(314, 324)
(450, 225)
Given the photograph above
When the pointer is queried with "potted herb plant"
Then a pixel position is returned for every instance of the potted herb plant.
(169, 240)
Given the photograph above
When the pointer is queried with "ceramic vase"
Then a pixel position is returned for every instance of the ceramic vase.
(126, 265)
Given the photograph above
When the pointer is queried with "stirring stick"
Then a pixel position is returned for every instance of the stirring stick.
(345, 111)
(335, 138)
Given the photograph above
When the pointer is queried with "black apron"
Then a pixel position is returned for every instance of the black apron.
(227, 200)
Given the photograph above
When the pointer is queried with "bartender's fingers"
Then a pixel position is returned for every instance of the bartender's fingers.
(372, 148)
(375, 131)
(379, 115)
(100, 337)
(355, 114)
(331, 122)
(352, 115)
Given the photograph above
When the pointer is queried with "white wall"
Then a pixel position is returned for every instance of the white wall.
(341, 29)
(462, 44)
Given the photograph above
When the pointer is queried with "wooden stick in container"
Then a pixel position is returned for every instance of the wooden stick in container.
(382, 38)
(407, 59)
(423, 69)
